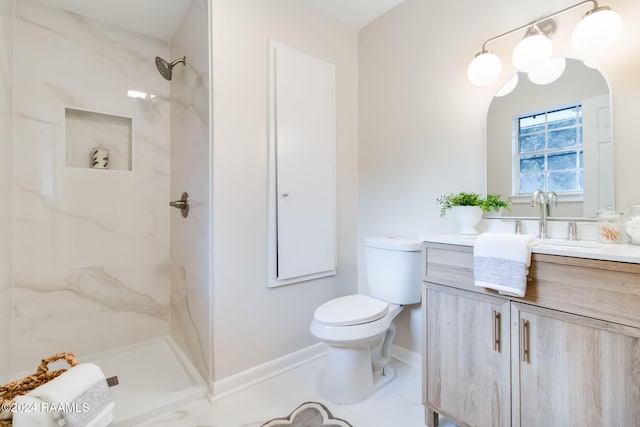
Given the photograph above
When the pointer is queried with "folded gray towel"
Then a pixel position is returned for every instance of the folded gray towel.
(506, 276)
(501, 262)
(95, 408)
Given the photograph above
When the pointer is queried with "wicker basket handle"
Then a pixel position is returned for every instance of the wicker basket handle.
(68, 357)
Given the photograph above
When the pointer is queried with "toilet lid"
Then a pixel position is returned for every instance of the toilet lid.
(351, 310)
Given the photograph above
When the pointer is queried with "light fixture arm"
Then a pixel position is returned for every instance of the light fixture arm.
(537, 21)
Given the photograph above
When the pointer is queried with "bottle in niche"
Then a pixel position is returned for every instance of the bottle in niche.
(99, 158)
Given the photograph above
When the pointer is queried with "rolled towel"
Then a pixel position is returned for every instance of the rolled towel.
(501, 262)
(80, 397)
(28, 413)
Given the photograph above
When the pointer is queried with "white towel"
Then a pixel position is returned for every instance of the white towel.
(501, 262)
(80, 397)
(28, 413)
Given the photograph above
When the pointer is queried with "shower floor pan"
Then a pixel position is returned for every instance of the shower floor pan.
(153, 377)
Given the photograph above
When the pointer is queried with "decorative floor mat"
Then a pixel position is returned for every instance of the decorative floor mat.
(309, 414)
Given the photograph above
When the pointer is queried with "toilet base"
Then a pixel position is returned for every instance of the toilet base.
(348, 376)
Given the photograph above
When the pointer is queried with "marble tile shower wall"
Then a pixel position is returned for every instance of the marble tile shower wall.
(6, 114)
(190, 291)
(91, 247)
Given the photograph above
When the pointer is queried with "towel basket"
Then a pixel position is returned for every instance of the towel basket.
(9, 392)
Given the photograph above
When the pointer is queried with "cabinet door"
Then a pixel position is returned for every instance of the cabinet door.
(573, 371)
(302, 167)
(467, 356)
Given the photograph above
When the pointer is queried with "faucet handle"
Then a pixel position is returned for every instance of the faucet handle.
(517, 222)
(518, 226)
(572, 230)
(552, 198)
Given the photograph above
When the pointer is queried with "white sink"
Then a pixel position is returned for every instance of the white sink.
(569, 244)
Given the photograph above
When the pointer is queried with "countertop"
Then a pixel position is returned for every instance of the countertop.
(621, 252)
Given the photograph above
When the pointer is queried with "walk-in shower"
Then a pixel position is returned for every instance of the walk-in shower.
(166, 68)
(92, 260)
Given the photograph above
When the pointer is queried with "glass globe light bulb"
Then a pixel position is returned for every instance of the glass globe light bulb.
(548, 72)
(532, 52)
(599, 29)
(508, 87)
(484, 69)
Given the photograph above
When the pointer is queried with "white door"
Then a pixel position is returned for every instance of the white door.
(304, 133)
(598, 154)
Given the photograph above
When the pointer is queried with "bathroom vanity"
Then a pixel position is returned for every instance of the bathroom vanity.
(566, 354)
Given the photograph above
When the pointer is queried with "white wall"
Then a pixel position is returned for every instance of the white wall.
(422, 124)
(190, 155)
(6, 138)
(254, 324)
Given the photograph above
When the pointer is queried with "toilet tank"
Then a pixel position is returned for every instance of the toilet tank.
(393, 269)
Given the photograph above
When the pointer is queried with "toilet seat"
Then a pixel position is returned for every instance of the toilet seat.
(351, 310)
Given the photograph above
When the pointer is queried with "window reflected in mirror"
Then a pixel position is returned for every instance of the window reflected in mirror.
(548, 152)
(555, 136)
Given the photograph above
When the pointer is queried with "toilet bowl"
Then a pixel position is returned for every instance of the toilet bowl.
(351, 319)
(359, 329)
(359, 346)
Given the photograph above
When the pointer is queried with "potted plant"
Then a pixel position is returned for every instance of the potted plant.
(467, 208)
(493, 203)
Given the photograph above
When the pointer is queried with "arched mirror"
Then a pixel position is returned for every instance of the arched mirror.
(554, 136)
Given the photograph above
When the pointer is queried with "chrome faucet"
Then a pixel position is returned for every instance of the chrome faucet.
(538, 198)
(552, 199)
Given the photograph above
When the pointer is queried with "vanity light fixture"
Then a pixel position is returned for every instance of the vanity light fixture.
(599, 28)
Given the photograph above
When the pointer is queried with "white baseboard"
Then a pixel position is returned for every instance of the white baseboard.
(270, 369)
(406, 356)
(275, 367)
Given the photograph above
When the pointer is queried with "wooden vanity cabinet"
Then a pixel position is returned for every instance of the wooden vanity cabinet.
(569, 351)
(468, 356)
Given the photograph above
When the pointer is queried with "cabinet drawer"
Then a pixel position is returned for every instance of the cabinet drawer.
(449, 265)
(603, 290)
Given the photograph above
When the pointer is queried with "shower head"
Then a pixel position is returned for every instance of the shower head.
(165, 68)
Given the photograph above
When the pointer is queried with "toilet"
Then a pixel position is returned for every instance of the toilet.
(359, 329)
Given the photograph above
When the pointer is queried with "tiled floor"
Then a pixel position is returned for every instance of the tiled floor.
(396, 405)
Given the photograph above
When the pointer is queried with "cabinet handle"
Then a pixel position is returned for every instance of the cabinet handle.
(524, 339)
(497, 326)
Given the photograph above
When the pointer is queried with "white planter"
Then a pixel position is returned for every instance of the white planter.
(494, 214)
(467, 217)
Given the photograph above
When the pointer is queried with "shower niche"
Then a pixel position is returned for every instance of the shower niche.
(97, 141)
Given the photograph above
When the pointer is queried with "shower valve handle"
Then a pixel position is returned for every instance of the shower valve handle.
(182, 204)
